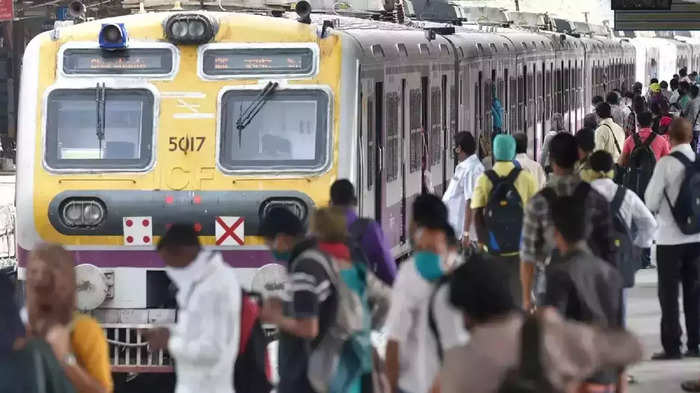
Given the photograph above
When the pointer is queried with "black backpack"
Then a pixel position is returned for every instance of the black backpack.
(628, 255)
(251, 368)
(686, 210)
(529, 375)
(504, 213)
(641, 165)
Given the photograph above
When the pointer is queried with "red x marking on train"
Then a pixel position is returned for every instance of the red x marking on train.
(229, 231)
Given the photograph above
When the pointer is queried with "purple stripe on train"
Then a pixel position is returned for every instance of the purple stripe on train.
(149, 258)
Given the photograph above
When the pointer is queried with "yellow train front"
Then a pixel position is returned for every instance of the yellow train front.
(131, 124)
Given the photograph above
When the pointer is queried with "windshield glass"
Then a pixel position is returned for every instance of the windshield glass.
(71, 129)
(289, 132)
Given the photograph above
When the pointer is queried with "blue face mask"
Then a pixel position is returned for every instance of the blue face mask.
(428, 265)
(281, 256)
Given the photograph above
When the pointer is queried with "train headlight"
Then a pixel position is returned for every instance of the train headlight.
(190, 29)
(296, 206)
(113, 36)
(82, 213)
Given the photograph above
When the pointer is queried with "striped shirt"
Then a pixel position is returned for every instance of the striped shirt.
(538, 228)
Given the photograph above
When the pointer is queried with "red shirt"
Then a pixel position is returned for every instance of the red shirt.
(659, 145)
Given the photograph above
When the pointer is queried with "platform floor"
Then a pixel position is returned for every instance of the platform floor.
(644, 318)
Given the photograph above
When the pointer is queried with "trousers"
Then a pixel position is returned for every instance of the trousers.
(511, 264)
(679, 264)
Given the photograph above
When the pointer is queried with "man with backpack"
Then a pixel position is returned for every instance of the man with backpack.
(640, 153)
(585, 143)
(414, 351)
(504, 354)
(672, 194)
(537, 234)
(311, 300)
(618, 114)
(498, 202)
(609, 135)
(365, 233)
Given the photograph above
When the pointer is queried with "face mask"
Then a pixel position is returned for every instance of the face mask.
(281, 256)
(428, 265)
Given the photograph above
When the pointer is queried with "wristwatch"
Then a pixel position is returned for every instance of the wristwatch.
(70, 359)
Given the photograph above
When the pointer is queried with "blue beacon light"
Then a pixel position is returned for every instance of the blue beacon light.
(113, 36)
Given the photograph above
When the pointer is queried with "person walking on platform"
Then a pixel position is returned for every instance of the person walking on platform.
(638, 106)
(677, 253)
(640, 153)
(414, 351)
(78, 340)
(618, 114)
(459, 193)
(205, 340)
(609, 136)
(581, 286)
(573, 350)
(365, 233)
(538, 230)
(527, 163)
(665, 91)
(585, 143)
(557, 127)
(692, 114)
(499, 199)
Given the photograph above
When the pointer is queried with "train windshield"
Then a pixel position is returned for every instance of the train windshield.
(86, 130)
(290, 132)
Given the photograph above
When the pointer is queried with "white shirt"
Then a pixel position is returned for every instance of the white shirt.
(674, 97)
(407, 324)
(604, 138)
(668, 176)
(205, 340)
(632, 210)
(534, 168)
(460, 190)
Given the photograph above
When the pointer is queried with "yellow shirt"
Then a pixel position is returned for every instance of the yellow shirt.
(90, 348)
(525, 184)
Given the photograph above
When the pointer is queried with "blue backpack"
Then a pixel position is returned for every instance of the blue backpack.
(686, 210)
(504, 213)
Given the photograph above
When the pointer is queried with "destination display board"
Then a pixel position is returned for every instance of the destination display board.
(681, 17)
(129, 61)
(648, 5)
(262, 61)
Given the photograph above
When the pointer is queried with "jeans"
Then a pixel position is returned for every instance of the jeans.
(679, 264)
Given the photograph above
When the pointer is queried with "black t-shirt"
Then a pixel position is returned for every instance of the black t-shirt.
(311, 295)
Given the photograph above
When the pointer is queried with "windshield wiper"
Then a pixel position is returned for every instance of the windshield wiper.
(100, 128)
(254, 108)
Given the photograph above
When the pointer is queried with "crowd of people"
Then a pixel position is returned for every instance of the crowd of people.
(517, 280)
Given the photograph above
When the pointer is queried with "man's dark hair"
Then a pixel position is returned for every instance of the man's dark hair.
(612, 98)
(639, 104)
(179, 235)
(465, 141)
(601, 161)
(479, 288)
(629, 94)
(645, 119)
(637, 86)
(683, 72)
(603, 111)
(562, 150)
(585, 139)
(684, 87)
(676, 77)
(569, 218)
(597, 100)
(429, 211)
(343, 193)
(590, 121)
(653, 80)
(664, 85)
(674, 83)
(280, 220)
(520, 142)
(694, 89)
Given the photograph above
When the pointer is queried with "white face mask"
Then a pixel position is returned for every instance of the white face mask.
(183, 276)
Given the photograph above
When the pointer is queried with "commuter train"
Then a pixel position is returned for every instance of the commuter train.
(130, 124)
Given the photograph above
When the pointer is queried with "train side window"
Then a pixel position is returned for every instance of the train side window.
(392, 136)
(435, 126)
(461, 51)
(480, 47)
(415, 143)
(402, 49)
(493, 46)
(506, 46)
(521, 100)
(371, 149)
(506, 98)
(513, 103)
(71, 121)
(377, 50)
(424, 49)
(444, 49)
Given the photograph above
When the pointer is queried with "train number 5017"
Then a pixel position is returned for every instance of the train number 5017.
(186, 143)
